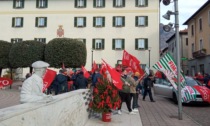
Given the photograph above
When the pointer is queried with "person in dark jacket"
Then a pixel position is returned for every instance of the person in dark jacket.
(148, 83)
(61, 82)
(95, 77)
(81, 81)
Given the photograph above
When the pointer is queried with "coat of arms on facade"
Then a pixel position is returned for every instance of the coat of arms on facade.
(60, 31)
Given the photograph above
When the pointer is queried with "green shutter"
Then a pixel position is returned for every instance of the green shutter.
(13, 3)
(93, 44)
(123, 23)
(136, 3)
(103, 21)
(146, 20)
(146, 3)
(94, 21)
(146, 43)
(114, 1)
(21, 21)
(46, 4)
(45, 21)
(13, 22)
(104, 3)
(103, 44)
(75, 21)
(123, 3)
(75, 3)
(94, 3)
(113, 21)
(136, 21)
(37, 3)
(36, 21)
(113, 44)
(84, 21)
(136, 44)
(123, 44)
(85, 3)
(23, 3)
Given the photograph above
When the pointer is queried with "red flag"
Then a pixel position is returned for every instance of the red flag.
(86, 74)
(204, 91)
(94, 67)
(48, 78)
(5, 82)
(116, 77)
(131, 61)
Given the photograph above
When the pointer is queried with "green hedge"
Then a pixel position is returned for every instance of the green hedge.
(71, 52)
(4, 54)
(23, 54)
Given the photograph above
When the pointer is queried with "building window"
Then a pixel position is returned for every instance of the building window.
(118, 21)
(82, 40)
(141, 21)
(98, 44)
(99, 3)
(192, 30)
(18, 3)
(200, 24)
(141, 3)
(17, 22)
(42, 40)
(79, 21)
(141, 44)
(98, 21)
(186, 41)
(193, 69)
(201, 44)
(193, 48)
(14, 40)
(80, 3)
(119, 3)
(118, 44)
(41, 22)
(41, 3)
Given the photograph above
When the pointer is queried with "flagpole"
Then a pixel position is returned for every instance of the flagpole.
(178, 57)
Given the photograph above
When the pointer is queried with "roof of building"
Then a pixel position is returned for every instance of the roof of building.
(185, 31)
(198, 11)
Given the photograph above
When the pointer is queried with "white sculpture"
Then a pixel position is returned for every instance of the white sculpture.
(31, 90)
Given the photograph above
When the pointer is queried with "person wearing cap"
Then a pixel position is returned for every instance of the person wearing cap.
(31, 90)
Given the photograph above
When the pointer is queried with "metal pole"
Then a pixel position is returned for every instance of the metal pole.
(92, 59)
(178, 57)
(149, 58)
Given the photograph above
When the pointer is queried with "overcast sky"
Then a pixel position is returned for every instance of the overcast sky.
(186, 9)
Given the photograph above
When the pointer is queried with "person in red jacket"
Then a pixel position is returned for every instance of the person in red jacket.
(199, 77)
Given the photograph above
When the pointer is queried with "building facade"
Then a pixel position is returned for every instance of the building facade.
(106, 26)
(183, 40)
(199, 40)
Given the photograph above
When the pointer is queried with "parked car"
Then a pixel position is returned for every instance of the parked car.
(164, 88)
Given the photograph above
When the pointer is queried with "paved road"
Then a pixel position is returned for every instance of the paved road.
(199, 112)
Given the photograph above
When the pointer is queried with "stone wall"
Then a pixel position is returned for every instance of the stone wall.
(69, 109)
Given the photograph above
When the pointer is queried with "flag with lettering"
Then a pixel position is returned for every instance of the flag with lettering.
(116, 77)
(131, 61)
(5, 82)
(168, 66)
(48, 78)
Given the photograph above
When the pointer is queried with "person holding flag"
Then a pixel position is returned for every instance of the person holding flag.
(148, 82)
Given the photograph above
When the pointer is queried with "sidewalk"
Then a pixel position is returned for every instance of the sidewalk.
(163, 112)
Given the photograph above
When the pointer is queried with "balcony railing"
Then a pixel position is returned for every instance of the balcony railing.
(199, 53)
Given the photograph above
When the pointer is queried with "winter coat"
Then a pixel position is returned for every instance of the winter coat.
(81, 82)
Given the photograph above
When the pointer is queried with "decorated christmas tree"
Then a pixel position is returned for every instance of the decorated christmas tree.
(105, 97)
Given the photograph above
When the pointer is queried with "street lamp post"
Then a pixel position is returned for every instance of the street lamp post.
(167, 16)
(92, 59)
(149, 49)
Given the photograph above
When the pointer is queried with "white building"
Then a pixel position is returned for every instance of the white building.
(107, 26)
